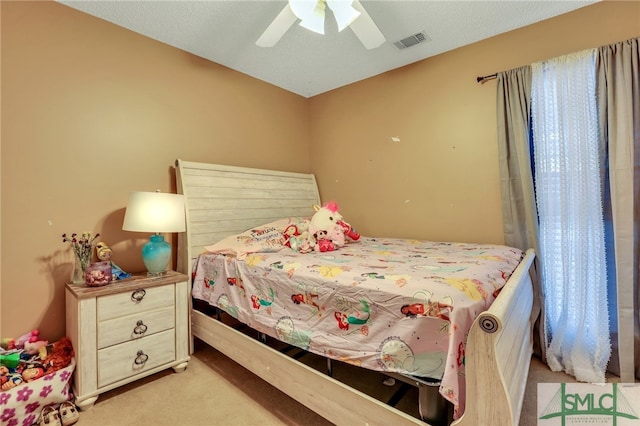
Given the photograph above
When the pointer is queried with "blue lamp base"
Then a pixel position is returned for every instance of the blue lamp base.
(156, 254)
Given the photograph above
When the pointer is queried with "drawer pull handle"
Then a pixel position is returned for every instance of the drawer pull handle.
(140, 328)
(141, 358)
(138, 295)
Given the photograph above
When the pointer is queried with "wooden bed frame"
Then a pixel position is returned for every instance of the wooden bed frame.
(226, 200)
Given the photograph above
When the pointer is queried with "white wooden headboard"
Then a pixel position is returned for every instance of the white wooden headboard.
(226, 200)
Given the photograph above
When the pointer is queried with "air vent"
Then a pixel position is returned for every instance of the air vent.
(412, 40)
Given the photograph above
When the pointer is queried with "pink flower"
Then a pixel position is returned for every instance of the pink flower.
(24, 393)
(30, 408)
(29, 420)
(46, 390)
(7, 413)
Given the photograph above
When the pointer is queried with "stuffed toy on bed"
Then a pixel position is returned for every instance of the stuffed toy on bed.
(298, 238)
(329, 229)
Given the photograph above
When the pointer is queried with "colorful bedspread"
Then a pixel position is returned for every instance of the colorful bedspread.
(385, 304)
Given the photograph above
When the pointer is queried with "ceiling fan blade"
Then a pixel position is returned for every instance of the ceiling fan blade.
(365, 29)
(277, 28)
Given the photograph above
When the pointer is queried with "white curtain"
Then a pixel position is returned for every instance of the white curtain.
(568, 184)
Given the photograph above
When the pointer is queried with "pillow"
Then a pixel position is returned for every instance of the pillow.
(264, 238)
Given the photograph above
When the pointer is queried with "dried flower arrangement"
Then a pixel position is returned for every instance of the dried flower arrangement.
(82, 246)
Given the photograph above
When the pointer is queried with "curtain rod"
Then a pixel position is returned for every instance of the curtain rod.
(486, 77)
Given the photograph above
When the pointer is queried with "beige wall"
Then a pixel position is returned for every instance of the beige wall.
(441, 180)
(91, 112)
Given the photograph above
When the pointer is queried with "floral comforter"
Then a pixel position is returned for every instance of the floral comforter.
(385, 304)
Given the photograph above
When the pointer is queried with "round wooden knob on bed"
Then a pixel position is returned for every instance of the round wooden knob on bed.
(489, 324)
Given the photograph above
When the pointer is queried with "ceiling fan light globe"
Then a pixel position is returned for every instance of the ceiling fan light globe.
(310, 13)
(344, 12)
(314, 24)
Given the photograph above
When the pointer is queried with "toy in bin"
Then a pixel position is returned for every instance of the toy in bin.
(37, 383)
(28, 343)
(13, 349)
(10, 360)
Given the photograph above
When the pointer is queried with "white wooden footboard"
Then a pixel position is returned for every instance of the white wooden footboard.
(498, 354)
(333, 400)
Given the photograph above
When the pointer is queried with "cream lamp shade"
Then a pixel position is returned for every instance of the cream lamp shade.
(155, 212)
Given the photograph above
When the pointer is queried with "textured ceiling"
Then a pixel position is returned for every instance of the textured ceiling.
(306, 63)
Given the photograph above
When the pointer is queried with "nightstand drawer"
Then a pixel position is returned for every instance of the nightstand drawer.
(135, 301)
(128, 359)
(130, 327)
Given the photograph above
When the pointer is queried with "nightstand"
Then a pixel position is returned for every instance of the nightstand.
(126, 330)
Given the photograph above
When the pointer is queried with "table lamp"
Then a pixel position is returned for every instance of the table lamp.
(155, 212)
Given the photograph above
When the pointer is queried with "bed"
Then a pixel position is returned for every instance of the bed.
(474, 348)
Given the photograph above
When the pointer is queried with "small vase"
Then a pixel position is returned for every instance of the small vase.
(79, 268)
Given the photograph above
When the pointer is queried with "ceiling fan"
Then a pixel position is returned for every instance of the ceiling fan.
(348, 13)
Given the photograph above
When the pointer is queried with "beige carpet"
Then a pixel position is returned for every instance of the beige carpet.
(216, 391)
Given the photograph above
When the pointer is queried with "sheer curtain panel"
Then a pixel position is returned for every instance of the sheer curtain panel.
(567, 168)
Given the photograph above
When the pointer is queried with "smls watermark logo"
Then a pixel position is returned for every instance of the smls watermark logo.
(616, 404)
